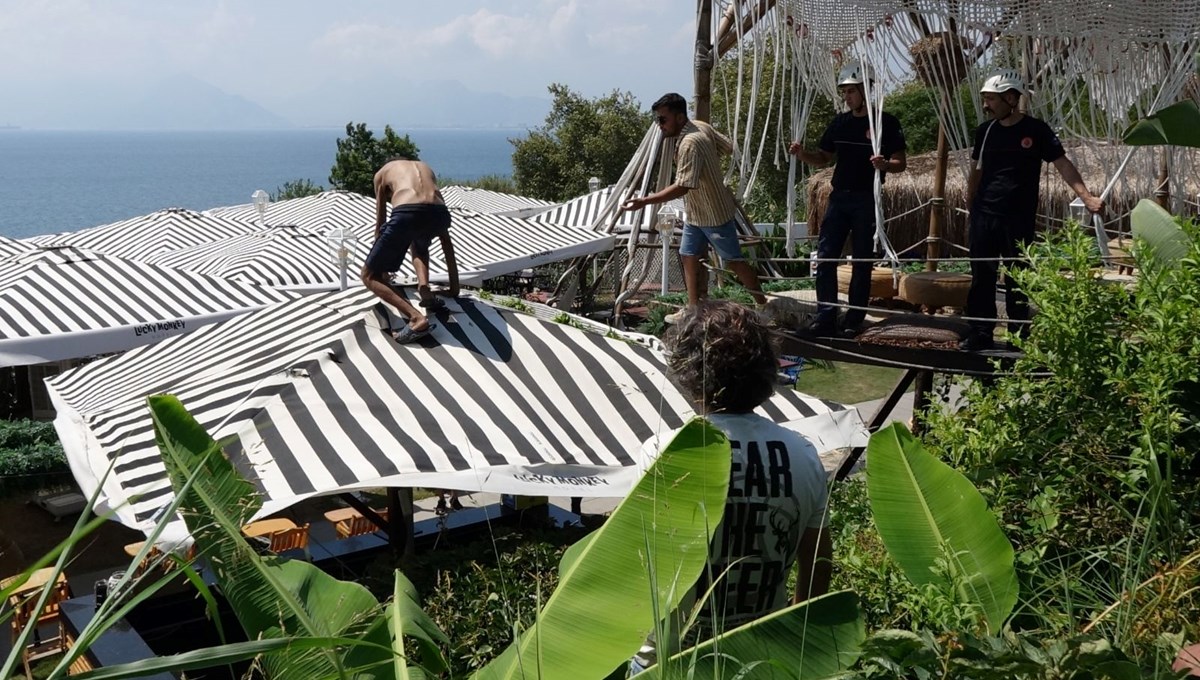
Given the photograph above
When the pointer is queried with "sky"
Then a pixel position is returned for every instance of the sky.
(315, 63)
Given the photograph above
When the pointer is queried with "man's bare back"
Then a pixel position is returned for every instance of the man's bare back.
(407, 182)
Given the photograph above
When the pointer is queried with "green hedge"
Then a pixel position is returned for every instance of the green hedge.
(31, 456)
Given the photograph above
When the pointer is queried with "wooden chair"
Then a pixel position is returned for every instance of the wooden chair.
(357, 524)
(155, 554)
(295, 538)
(23, 603)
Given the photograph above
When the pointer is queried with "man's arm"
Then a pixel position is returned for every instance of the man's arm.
(380, 205)
(451, 264)
(1071, 176)
(897, 163)
(973, 185)
(670, 193)
(817, 158)
(814, 563)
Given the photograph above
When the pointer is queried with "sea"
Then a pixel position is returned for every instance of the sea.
(53, 180)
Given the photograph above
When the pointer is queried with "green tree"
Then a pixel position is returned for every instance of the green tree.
(581, 138)
(296, 188)
(912, 104)
(360, 155)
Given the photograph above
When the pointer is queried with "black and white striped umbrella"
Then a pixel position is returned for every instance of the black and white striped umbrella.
(498, 244)
(12, 246)
(314, 397)
(493, 202)
(149, 235)
(292, 258)
(485, 245)
(319, 212)
(585, 210)
(64, 303)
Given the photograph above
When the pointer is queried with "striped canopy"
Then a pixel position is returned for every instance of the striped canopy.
(485, 245)
(497, 245)
(149, 235)
(12, 246)
(280, 257)
(585, 210)
(493, 202)
(319, 212)
(314, 397)
(64, 303)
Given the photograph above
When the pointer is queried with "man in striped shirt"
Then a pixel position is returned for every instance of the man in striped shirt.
(711, 210)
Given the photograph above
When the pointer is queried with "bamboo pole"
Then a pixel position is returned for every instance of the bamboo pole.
(704, 61)
(727, 38)
(937, 206)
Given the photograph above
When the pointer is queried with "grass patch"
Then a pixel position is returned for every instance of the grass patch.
(848, 383)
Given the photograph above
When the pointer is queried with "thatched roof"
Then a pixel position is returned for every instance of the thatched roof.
(1096, 162)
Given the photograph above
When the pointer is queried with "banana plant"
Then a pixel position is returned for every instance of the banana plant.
(929, 514)
(651, 549)
(614, 585)
(1176, 125)
(1168, 243)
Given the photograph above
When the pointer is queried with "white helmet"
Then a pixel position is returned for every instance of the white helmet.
(1002, 81)
(852, 73)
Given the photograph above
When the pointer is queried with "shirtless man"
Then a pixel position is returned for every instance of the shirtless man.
(418, 214)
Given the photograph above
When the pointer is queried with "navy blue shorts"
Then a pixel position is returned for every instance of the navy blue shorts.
(410, 226)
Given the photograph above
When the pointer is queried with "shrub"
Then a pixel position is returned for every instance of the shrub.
(1082, 449)
(31, 456)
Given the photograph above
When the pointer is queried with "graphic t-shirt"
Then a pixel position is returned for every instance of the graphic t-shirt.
(1012, 166)
(849, 137)
(777, 489)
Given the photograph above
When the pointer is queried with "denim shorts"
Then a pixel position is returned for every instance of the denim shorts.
(724, 240)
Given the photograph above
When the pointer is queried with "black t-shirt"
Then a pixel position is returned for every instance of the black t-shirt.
(849, 137)
(1012, 165)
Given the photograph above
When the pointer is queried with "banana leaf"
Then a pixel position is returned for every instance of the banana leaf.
(1167, 241)
(1176, 125)
(272, 597)
(928, 513)
(642, 560)
(813, 639)
(406, 618)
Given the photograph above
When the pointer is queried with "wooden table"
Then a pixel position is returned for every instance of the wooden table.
(266, 527)
(341, 514)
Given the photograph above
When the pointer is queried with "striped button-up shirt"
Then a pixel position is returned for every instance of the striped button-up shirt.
(708, 201)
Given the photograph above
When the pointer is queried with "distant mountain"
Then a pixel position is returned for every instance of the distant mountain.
(442, 103)
(180, 102)
(183, 102)
(187, 103)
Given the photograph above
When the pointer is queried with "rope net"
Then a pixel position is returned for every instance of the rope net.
(1092, 68)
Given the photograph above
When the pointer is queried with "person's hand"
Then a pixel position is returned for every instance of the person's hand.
(1094, 204)
(633, 204)
(879, 162)
(795, 148)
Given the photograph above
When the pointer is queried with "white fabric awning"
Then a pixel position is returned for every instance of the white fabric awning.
(64, 303)
(315, 398)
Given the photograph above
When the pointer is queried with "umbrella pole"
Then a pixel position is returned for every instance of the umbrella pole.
(400, 519)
